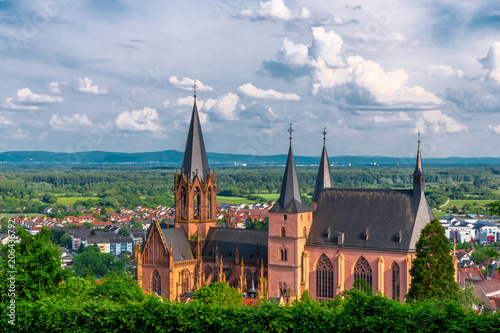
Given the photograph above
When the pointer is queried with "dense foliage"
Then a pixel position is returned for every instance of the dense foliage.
(218, 293)
(91, 262)
(35, 263)
(32, 189)
(432, 270)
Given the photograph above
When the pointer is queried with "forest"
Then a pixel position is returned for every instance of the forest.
(31, 189)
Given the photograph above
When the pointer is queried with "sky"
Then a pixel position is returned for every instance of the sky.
(117, 75)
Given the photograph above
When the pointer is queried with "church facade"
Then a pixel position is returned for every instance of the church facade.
(348, 234)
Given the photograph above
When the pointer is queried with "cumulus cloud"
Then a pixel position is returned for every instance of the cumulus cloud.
(187, 84)
(275, 9)
(69, 124)
(251, 91)
(85, 85)
(492, 62)
(224, 108)
(326, 46)
(27, 100)
(145, 119)
(437, 122)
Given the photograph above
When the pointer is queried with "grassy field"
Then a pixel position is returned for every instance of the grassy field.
(460, 203)
(233, 200)
(269, 196)
(72, 200)
(20, 214)
(437, 214)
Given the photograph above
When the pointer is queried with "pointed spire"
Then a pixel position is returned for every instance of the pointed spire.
(324, 177)
(290, 200)
(195, 156)
(419, 170)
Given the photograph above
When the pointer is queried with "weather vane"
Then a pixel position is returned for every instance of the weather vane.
(290, 130)
(324, 135)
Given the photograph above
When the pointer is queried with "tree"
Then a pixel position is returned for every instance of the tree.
(124, 231)
(492, 253)
(432, 270)
(91, 262)
(65, 241)
(494, 208)
(217, 293)
(137, 225)
(37, 262)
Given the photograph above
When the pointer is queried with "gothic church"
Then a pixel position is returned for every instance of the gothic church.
(348, 234)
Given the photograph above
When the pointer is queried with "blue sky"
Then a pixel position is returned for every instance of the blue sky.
(117, 76)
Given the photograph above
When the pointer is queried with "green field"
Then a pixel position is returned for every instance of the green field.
(460, 203)
(71, 200)
(437, 214)
(233, 200)
(269, 196)
(20, 214)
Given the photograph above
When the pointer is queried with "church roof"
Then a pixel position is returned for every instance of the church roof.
(376, 219)
(195, 156)
(177, 237)
(324, 177)
(290, 200)
(227, 238)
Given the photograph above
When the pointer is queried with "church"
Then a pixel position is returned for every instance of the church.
(348, 234)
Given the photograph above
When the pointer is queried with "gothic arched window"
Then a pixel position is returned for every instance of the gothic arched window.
(196, 203)
(396, 281)
(186, 281)
(324, 278)
(283, 232)
(363, 271)
(183, 204)
(304, 232)
(156, 283)
(209, 203)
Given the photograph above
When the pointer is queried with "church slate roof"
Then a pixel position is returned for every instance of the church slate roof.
(182, 248)
(324, 177)
(195, 156)
(290, 200)
(375, 219)
(227, 238)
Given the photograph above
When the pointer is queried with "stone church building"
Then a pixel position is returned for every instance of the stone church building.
(348, 234)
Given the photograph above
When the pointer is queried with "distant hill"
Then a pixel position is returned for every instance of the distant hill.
(174, 158)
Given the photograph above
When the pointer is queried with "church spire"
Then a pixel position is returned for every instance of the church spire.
(418, 175)
(324, 177)
(195, 156)
(290, 200)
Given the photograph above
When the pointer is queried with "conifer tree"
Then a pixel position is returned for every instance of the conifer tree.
(432, 270)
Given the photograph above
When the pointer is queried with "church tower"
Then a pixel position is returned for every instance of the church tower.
(324, 177)
(195, 187)
(418, 175)
(289, 223)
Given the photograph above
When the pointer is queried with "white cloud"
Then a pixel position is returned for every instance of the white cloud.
(85, 85)
(251, 91)
(443, 71)
(276, 9)
(495, 129)
(187, 84)
(27, 100)
(69, 124)
(224, 107)
(5, 122)
(390, 118)
(54, 86)
(492, 62)
(327, 46)
(138, 120)
(438, 122)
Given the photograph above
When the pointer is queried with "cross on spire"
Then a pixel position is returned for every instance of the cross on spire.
(418, 140)
(194, 88)
(290, 130)
(324, 136)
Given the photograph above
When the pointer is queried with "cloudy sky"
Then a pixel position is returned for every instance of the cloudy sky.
(118, 75)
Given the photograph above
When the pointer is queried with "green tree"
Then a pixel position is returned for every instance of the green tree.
(137, 225)
(432, 270)
(124, 231)
(65, 241)
(494, 208)
(477, 256)
(217, 293)
(91, 262)
(37, 262)
(492, 253)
